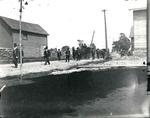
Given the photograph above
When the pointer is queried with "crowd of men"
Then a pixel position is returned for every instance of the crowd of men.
(81, 53)
(77, 54)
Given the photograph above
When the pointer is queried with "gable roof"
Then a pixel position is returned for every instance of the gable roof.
(27, 27)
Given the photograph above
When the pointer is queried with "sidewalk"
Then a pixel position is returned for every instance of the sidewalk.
(37, 69)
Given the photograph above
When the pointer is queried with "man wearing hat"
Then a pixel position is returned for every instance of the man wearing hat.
(46, 55)
(15, 55)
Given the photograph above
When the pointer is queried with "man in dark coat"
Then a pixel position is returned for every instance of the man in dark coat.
(73, 53)
(59, 54)
(15, 55)
(98, 53)
(67, 55)
(46, 55)
(93, 53)
(78, 54)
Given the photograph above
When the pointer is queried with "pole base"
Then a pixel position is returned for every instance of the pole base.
(148, 83)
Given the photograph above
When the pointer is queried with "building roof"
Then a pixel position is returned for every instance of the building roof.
(139, 9)
(27, 27)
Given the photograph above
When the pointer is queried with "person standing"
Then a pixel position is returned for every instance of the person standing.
(67, 55)
(93, 53)
(46, 55)
(59, 54)
(98, 53)
(15, 55)
(73, 53)
(78, 54)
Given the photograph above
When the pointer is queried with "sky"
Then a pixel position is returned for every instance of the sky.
(67, 21)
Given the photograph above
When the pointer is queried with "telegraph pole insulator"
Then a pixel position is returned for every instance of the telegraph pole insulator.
(26, 3)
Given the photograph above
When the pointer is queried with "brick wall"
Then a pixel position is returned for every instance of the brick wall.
(5, 55)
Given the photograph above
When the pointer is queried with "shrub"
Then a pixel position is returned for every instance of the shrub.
(122, 46)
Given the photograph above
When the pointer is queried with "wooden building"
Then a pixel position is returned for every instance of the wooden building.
(34, 37)
(139, 28)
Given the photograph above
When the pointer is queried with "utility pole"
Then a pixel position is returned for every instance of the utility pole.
(92, 37)
(106, 43)
(20, 38)
(148, 50)
(20, 35)
(148, 45)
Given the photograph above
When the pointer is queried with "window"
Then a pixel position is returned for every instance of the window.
(24, 36)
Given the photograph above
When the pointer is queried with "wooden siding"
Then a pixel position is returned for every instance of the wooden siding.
(6, 40)
(139, 18)
(32, 45)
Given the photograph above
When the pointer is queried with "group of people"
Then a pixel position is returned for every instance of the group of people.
(76, 54)
(59, 54)
(16, 55)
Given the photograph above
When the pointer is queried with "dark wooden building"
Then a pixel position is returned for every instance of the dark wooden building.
(34, 37)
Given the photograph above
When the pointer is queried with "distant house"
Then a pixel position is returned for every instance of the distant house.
(138, 32)
(34, 37)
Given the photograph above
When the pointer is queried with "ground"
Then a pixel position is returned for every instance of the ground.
(126, 101)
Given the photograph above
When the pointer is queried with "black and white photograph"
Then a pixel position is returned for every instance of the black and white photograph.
(74, 58)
